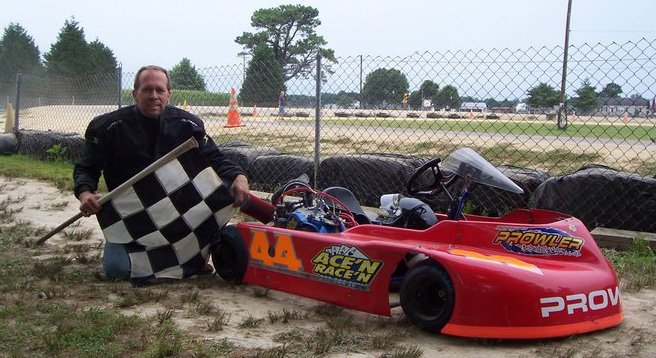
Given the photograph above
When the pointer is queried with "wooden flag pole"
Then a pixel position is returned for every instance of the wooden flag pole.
(59, 228)
(190, 143)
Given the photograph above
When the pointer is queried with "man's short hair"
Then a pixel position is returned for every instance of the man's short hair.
(152, 67)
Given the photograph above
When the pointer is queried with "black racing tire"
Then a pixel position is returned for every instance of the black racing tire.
(427, 297)
(230, 256)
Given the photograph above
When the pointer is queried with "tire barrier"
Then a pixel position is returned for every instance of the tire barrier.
(38, 143)
(387, 172)
(244, 154)
(601, 196)
(8, 143)
(497, 202)
(596, 194)
(268, 172)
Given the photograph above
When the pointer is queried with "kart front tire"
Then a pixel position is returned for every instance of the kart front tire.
(427, 297)
(230, 256)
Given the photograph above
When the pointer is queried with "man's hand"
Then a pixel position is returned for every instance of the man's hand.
(239, 189)
(89, 203)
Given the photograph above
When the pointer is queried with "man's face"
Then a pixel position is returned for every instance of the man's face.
(152, 95)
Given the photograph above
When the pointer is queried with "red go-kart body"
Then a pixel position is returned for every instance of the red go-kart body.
(529, 274)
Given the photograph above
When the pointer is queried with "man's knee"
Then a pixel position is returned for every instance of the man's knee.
(116, 261)
(115, 271)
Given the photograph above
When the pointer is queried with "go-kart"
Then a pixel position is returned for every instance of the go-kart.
(529, 274)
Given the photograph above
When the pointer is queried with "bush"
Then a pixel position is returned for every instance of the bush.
(193, 98)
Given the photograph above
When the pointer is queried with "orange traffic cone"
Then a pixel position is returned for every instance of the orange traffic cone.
(233, 112)
(471, 114)
(255, 111)
(9, 119)
(625, 119)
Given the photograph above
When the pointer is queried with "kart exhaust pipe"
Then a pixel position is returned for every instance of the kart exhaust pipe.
(257, 208)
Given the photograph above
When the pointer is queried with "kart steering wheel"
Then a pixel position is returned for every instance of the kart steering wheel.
(430, 189)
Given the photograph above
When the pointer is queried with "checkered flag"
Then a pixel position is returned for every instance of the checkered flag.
(168, 215)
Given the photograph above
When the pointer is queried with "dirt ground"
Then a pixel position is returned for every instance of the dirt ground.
(45, 206)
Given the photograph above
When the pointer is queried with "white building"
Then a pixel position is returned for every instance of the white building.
(473, 106)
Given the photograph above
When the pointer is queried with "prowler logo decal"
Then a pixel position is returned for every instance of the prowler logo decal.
(538, 241)
(347, 266)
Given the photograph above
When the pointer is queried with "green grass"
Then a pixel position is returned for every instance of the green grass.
(636, 268)
(587, 130)
(22, 166)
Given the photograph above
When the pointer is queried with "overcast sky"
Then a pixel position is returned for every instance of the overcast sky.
(163, 32)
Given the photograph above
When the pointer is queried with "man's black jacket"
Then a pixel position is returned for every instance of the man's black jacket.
(122, 143)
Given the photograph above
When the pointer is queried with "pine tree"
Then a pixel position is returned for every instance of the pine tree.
(17, 53)
(185, 77)
(587, 98)
(69, 55)
(264, 79)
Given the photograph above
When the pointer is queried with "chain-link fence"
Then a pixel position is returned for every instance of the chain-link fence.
(378, 120)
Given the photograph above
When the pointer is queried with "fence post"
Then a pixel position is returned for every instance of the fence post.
(17, 111)
(119, 73)
(562, 109)
(317, 126)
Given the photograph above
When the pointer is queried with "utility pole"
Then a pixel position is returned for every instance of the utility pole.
(562, 110)
(243, 55)
(360, 105)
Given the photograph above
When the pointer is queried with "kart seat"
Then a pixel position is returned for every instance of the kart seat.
(348, 199)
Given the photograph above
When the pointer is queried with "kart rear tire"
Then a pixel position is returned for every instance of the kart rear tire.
(427, 297)
(230, 256)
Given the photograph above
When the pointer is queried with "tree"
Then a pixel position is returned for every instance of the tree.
(448, 98)
(429, 89)
(415, 100)
(346, 99)
(101, 57)
(289, 30)
(69, 55)
(185, 77)
(611, 90)
(264, 78)
(72, 56)
(17, 53)
(543, 96)
(384, 86)
(587, 98)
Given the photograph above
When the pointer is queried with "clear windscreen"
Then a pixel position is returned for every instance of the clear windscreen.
(466, 162)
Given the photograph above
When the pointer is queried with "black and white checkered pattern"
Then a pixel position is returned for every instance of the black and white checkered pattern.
(168, 219)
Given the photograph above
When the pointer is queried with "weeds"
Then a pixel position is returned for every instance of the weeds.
(57, 153)
(164, 316)
(404, 352)
(285, 316)
(190, 297)
(220, 320)
(250, 322)
(275, 352)
(203, 309)
(260, 292)
(57, 206)
(78, 234)
(328, 310)
(636, 267)
(136, 297)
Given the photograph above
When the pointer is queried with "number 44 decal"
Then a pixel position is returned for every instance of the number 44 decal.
(282, 255)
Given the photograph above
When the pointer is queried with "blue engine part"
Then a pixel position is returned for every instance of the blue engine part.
(308, 219)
